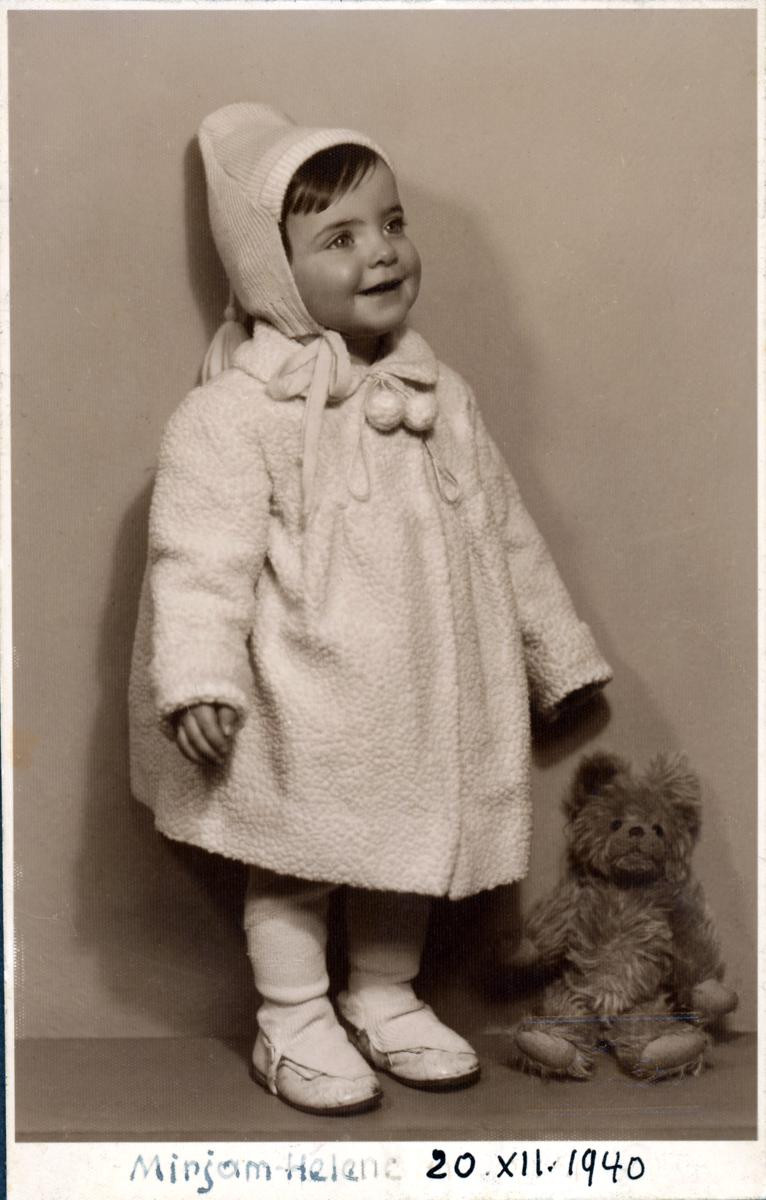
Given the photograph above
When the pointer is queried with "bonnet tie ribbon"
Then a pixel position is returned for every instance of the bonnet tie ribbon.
(319, 371)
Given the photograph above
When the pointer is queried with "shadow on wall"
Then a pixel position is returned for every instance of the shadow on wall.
(162, 918)
(207, 278)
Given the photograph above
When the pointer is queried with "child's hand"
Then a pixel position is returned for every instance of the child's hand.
(204, 732)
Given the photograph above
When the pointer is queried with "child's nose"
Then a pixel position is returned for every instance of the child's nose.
(382, 251)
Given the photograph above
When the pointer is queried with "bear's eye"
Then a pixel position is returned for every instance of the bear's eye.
(616, 823)
(658, 830)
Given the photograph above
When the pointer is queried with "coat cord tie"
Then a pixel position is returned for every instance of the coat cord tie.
(359, 456)
(446, 483)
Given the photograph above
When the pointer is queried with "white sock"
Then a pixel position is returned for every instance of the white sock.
(386, 932)
(286, 928)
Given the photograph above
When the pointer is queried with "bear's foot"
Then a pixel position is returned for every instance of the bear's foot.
(550, 1055)
(713, 999)
(672, 1054)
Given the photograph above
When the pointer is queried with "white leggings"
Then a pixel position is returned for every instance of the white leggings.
(286, 927)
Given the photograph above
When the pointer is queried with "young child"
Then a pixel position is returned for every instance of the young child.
(346, 613)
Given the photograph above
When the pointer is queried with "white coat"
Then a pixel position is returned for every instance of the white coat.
(381, 655)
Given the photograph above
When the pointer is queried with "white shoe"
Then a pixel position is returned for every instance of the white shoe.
(316, 1070)
(407, 1040)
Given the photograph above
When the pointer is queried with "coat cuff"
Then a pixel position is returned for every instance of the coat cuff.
(556, 673)
(211, 692)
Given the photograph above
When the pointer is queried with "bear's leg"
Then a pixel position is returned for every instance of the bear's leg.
(651, 1043)
(561, 1042)
(712, 999)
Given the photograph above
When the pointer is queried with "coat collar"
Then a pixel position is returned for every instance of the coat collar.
(407, 356)
(319, 370)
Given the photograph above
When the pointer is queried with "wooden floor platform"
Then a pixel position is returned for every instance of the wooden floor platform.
(199, 1089)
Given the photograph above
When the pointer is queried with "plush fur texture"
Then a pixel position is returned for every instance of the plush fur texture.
(625, 939)
(380, 655)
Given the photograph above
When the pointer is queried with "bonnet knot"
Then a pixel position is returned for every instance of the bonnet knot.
(227, 338)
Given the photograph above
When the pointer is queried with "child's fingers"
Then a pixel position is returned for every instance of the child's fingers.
(211, 725)
(193, 724)
(184, 745)
(227, 718)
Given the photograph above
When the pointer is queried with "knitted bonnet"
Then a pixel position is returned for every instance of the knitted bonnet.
(251, 152)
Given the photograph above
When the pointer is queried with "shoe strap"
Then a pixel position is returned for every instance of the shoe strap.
(273, 1058)
(409, 1025)
(320, 1049)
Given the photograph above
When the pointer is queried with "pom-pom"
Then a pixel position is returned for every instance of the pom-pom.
(384, 408)
(420, 411)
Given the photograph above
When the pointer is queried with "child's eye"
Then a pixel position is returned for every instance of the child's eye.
(616, 824)
(340, 241)
(396, 225)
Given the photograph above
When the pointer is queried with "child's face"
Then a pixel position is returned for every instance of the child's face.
(355, 268)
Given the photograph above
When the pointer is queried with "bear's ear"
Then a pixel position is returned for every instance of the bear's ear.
(594, 774)
(673, 778)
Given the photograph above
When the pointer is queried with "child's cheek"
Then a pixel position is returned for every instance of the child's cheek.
(415, 266)
(418, 264)
(347, 275)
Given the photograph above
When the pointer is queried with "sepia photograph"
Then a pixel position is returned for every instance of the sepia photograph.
(380, 600)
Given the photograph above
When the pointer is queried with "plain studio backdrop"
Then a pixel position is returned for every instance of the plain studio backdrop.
(581, 186)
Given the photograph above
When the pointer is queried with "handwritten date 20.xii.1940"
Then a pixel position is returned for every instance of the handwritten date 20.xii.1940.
(524, 1163)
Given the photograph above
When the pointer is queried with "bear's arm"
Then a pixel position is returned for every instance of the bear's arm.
(696, 956)
(549, 921)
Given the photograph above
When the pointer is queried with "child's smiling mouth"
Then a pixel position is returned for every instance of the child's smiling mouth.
(389, 285)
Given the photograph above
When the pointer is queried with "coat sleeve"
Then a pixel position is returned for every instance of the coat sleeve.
(561, 656)
(207, 539)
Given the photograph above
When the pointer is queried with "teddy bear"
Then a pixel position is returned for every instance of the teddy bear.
(625, 941)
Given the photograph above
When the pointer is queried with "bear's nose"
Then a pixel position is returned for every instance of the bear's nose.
(636, 831)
